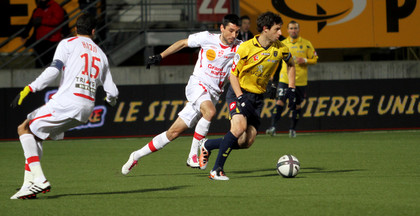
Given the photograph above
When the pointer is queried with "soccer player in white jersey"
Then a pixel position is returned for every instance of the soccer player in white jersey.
(202, 91)
(83, 67)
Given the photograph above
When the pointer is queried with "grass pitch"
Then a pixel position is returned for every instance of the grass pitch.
(361, 173)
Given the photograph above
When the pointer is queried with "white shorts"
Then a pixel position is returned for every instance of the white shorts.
(43, 123)
(196, 93)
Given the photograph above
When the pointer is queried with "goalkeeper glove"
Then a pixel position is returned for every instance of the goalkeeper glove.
(153, 60)
(19, 98)
(245, 107)
(291, 94)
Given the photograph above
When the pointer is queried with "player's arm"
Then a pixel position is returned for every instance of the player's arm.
(177, 46)
(43, 80)
(243, 103)
(312, 55)
(291, 71)
(110, 88)
(234, 82)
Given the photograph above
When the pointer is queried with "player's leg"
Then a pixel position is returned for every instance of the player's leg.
(247, 138)
(244, 141)
(157, 143)
(34, 178)
(201, 108)
(278, 109)
(238, 127)
(296, 114)
(208, 111)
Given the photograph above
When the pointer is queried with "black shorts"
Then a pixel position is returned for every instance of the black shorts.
(300, 93)
(257, 101)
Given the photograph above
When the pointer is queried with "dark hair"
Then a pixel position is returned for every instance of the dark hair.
(244, 17)
(268, 19)
(85, 24)
(230, 18)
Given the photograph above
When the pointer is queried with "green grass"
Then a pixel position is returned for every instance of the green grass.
(372, 173)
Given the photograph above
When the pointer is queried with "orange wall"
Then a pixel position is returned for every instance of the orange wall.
(366, 28)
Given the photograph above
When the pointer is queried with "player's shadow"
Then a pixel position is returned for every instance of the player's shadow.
(147, 190)
(269, 172)
(313, 170)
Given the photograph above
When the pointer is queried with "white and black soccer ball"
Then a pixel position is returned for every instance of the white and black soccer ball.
(288, 166)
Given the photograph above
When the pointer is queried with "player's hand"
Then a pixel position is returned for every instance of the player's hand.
(291, 94)
(300, 60)
(272, 90)
(19, 98)
(110, 102)
(153, 60)
(245, 106)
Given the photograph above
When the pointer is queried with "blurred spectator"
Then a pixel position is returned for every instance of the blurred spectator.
(244, 33)
(45, 18)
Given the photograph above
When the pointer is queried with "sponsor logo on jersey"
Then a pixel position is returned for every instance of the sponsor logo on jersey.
(232, 106)
(265, 54)
(255, 57)
(260, 68)
(210, 54)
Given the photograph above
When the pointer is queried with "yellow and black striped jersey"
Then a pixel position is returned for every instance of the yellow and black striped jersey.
(254, 65)
(299, 48)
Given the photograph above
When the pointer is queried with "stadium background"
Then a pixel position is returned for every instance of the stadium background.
(366, 79)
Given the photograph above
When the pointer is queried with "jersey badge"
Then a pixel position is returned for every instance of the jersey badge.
(237, 57)
(275, 53)
(220, 53)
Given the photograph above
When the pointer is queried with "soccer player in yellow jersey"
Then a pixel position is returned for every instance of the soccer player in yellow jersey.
(304, 54)
(253, 65)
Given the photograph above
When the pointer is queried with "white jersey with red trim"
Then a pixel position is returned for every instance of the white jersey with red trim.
(85, 67)
(214, 60)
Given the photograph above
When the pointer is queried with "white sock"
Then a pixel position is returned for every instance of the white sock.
(200, 132)
(28, 177)
(157, 143)
(29, 145)
(30, 150)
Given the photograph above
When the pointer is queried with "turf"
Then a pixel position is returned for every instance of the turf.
(359, 173)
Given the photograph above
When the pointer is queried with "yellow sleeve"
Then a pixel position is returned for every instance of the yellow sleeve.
(312, 56)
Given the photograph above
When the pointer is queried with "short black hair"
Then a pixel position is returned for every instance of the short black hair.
(268, 19)
(245, 17)
(85, 24)
(230, 18)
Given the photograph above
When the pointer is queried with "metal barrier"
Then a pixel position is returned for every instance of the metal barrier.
(122, 22)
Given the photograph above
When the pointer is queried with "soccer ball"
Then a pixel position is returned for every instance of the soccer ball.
(288, 166)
